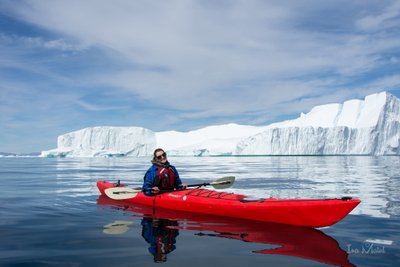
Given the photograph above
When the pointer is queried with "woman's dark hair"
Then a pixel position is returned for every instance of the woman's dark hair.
(155, 152)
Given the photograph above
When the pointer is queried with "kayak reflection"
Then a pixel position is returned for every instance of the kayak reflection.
(290, 240)
(161, 235)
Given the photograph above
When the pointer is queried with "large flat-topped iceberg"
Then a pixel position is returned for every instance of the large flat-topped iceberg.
(353, 114)
(356, 127)
(134, 141)
(369, 127)
(104, 141)
(211, 140)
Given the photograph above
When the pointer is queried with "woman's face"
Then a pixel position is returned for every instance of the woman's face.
(161, 156)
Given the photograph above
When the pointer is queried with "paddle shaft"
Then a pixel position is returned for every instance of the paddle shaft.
(190, 185)
(171, 190)
(119, 192)
(193, 185)
(198, 185)
(205, 184)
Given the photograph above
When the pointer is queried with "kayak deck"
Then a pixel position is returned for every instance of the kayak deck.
(300, 212)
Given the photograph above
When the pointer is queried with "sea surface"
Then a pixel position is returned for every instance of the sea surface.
(51, 214)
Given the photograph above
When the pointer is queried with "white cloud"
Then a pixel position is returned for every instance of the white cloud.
(40, 42)
(212, 58)
(388, 18)
(93, 107)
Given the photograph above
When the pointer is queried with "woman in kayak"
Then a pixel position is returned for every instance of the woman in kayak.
(162, 175)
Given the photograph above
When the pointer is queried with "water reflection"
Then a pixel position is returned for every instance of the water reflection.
(161, 227)
(374, 180)
(161, 235)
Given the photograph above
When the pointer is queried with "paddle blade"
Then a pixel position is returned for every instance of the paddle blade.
(224, 182)
(120, 193)
(117, 227)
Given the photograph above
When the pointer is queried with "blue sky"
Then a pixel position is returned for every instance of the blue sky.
(163, 65)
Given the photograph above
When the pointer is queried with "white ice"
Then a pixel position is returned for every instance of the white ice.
(360, 127)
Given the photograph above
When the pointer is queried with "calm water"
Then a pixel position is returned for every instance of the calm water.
(51, 214)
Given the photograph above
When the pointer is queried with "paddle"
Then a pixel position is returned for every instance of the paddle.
(117, 227)
(120, 193)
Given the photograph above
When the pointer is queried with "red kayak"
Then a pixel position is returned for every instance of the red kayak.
(290, 240)
(300, 212)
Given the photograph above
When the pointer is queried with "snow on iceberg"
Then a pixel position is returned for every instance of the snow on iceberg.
(356, 127)
(132, 141)
(104, 142)
(208, 141)
(352, 113)
(369, 127)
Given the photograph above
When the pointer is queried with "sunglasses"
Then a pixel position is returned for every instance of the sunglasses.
(163, 155)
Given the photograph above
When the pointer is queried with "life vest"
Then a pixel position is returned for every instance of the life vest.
(165, 179)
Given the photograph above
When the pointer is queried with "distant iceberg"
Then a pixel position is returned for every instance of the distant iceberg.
(369, 127)
(356, 127)
(19, 155)
(220, 140)
(104, 142)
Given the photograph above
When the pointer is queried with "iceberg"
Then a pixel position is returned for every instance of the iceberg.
(218, 140)
(104, 142)
(355, 127)
(137, 142)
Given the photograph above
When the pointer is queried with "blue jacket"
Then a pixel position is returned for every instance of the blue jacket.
(150, 177)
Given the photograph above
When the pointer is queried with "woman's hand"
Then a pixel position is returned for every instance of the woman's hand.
(155, 190)
(183, 186)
